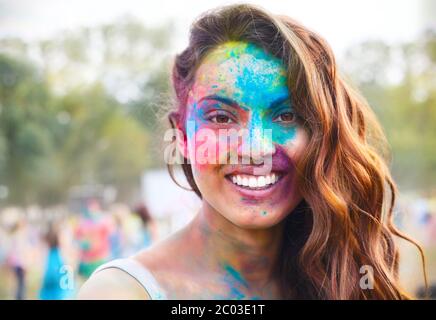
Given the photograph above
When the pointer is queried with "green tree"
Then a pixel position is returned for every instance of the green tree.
(25, 121)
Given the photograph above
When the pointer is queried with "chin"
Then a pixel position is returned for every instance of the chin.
(255, 219)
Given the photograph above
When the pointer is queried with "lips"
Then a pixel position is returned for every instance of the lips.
(257, 182)
(280, 164)
(258, 193)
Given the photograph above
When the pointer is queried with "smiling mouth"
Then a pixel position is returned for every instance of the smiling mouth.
(251, 182)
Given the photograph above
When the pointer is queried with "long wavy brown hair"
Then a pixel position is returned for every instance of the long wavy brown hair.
(345, 221)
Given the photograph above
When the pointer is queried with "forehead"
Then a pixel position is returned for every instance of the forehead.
(242, 71)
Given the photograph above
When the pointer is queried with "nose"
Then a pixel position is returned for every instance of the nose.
(256, 143)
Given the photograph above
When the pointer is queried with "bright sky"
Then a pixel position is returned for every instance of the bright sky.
(341, 22)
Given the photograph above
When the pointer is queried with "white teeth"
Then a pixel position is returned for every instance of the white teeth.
(245, 181)
(261, 181)
(251, 181)
(239, 180)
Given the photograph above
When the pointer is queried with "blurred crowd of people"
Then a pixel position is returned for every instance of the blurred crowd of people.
(48, 255)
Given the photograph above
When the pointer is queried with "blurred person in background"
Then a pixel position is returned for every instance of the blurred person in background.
(93, 237)
(148, 226)
(17, 255)
(116, 236)
(51, 288)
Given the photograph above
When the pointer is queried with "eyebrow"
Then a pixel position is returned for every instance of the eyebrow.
(279, 101)
(233, 103)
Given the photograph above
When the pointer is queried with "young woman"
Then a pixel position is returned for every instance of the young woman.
(299, 205)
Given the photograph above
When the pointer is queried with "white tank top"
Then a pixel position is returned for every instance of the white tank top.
(139, 273)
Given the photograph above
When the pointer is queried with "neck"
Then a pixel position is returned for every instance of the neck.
(248, 256)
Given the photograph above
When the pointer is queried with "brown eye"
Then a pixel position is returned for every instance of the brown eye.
(286, 117)
(221, 118)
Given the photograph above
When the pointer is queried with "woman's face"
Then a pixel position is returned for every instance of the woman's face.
(243, 139)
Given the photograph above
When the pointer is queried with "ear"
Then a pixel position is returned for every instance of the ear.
(181, 139)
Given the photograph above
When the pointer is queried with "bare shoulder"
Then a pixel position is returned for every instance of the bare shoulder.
(112, 284)
(170, 263)
(162, 257)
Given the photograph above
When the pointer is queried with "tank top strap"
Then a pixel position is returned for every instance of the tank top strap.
(140, 273)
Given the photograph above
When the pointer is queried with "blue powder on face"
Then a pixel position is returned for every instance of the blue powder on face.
(262, 80)
(254, 79)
